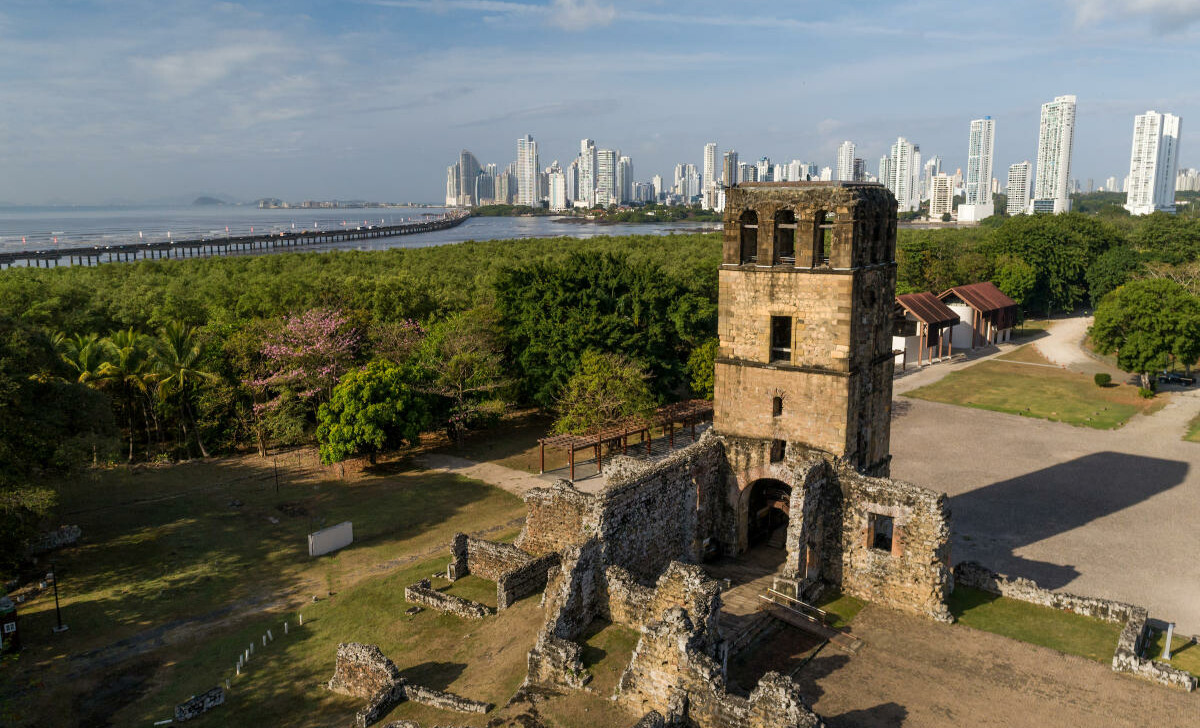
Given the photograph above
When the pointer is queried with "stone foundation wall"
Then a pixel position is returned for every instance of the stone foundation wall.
(443, 700)
(915, 575)
(517, 573)
(1127, 656)
(198, 705)
(627, 603)
(424, 595)
(524, 580)
(555, 518)
(60, 537)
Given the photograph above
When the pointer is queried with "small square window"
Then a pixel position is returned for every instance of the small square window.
(881, 530)
(10, 628)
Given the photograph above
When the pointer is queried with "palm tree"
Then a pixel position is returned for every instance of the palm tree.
(127, 369)
(84, 354)
(177, 362)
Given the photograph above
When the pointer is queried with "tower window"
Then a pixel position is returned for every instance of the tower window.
(880, 530)
(748, 229)
(777, 407)
(822, 232)
(785, 236)
(781, 338)
(778, 450)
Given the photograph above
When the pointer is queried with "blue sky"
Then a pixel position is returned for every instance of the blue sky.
(138, 100)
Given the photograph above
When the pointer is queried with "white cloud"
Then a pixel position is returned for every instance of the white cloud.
(188, 71)
(1164, 15)
(580, 14)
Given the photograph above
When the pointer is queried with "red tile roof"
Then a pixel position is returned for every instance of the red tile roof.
(927, 309)
(988, 300)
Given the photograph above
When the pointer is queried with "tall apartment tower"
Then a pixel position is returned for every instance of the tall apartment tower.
(1153, 163)
(904, 167)
(606, 177)
(845, 162)
(729, 169)
(529, 174)
(808, 281)
(941, 197)
(1018, 188)
(1056, 136)
(556, 181)
(708, 199)
(978, 182)
(587, 172)
(624, 180)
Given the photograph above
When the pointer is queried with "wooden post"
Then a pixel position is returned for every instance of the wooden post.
(599, 462)
(542, 468)
(572, 458)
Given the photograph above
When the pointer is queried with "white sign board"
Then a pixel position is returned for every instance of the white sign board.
(330, 539)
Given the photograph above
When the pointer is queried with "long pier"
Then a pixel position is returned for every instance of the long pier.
(207, 247)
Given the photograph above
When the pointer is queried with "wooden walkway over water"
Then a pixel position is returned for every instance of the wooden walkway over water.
(208, 247)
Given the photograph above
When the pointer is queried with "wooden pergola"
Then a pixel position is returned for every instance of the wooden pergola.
(685, 414)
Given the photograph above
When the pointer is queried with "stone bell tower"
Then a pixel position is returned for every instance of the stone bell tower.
(807, 289)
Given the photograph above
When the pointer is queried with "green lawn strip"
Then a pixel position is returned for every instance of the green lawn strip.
(607, 649)
(1193, 431)
(283, 683)
(1037, 392)
(1062, 631)
(1185, 654)
(841, 608)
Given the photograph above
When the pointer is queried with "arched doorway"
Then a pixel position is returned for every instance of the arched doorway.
(768, 513)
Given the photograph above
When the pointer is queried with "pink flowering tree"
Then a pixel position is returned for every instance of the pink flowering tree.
(303, 361)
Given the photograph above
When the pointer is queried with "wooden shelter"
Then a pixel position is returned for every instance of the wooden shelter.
(987, 315)
(922, 323)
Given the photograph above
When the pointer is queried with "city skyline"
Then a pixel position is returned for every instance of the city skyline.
(129, 101)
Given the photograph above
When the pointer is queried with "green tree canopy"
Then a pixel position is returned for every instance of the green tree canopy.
(1111, 270)
(1149, 324)
(605, 389)
(702, 368)
(372, 410)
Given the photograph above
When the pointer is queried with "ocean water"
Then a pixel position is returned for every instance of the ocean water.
(42, 228)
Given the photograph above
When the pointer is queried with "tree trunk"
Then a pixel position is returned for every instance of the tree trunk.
(187, 411)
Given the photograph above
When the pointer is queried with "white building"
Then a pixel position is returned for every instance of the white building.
(932, 168)
(656, 183)
(1018, 188)
(941, 196)
(709, 200)
(763, 170)
(903, 168)
(845, 161)
(624, 180)
(587, 173)
(826, 174)
(978, 183)
(1056, 136)
(1153, 163)
(1188, 180)
(528, 172)
(557, 182)
(986, 315)
(1110, 184)
(606, 177)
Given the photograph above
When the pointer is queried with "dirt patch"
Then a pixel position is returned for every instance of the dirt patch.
(96, 706)
(295, 510)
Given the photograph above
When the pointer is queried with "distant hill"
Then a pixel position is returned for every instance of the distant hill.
(206, 200)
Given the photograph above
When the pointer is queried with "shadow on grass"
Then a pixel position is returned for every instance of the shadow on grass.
(884, 715)
(962, 601)
(436, 675)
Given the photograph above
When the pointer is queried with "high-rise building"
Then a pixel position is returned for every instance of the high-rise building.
(845, 161)
(978, 183)
(826, 174)
(747, 173)
(624, 180)
(1153, 163)
(587, 172)
(903, 168)
(606, 176)
(931, 169)
(885, 170)
(941, 196)
(763, 170)
(1018, 188)
(687, 182)
(729, 170)
(460, 180)
(779, 173)
(1110, 184)
(556, 181)
(643, 192)
(528, 172)
(860, 169)
(571, 174)
(1188, 180)
(1056, 136)
(657, 182)
(711, 179)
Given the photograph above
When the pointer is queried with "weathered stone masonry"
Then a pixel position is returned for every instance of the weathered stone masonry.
(517, 573)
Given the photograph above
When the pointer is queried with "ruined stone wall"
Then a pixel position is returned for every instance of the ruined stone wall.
(672, 673)
(198, 705)
(630, 604)
(362, 670)
(517, 574)
(915, 575)
(555, 518)
(424, 595)
(530, 578)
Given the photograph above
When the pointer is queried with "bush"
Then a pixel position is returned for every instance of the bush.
(1145, 393)
(1102, 380)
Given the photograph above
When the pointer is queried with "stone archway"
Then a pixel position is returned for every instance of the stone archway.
(768, 512)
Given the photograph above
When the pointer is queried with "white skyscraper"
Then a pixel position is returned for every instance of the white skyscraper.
(557, 183)
(764, 170)
(624, 180)
(656, 181)
(1056, 136)
(528, 172)
(606, 177)
(587, 172)
(826, 174)
(903, 168)
(1018, 188)
(978, 183)
(845, 161)
(931, 169)
(941, 196)
(1153, 163)
(709, 199)
(885, 170)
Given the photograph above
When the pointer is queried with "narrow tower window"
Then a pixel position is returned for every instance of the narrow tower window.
(777, 407)
(785, 237)
(781, 338)
(749, 239)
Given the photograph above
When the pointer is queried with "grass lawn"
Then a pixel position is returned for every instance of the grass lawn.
(1185, 654)
(841, 608)
(1063, 631)
(169, 552)
(1193, 431)
(1011, 384)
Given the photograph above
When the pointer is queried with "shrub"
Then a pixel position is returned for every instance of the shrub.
(1102, 379)
(1145, 393)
